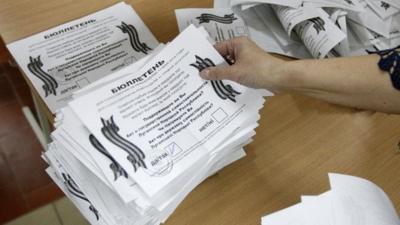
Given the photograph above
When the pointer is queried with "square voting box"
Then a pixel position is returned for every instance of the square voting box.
(219, 115)
(173, 149)
(82, 82)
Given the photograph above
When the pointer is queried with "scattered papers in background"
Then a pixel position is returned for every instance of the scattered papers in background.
(129, 149)
(221, 24)
(319, 28)
(61, 60)
(351, 201)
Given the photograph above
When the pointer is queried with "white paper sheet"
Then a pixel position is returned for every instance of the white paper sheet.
(222, 4)
(318, 209)
(351, 5)
(394, 3)
(351, 201)
(384, 10)
(113, 173)
(361, 201)
(371, 20)
(68, 57)
(266, 39)
(289, 3)
(320, 35)
(289, 216)
(221, 24)
(182, 111)
(338, 17)
(290, 17)
(269, 18)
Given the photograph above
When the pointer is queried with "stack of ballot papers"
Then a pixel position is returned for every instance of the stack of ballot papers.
(351, 201)
(130, 147)
(303, 28)
(66, 58)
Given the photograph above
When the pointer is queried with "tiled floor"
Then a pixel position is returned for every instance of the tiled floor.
(24, 185)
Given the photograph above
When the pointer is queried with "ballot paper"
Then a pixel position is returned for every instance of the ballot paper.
(267, 32)
(351, 5)
(130, 147)
(290, 17)
(65, 58)
(319, 28)
(320, 35)
(221, 24)
(351, 201)
(288, 3)
(393, 3)
(165, 100)
(268, 17)
(384, 10)
(371, 20)
(221, 4)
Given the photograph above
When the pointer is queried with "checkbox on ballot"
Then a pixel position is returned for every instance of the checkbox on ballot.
(219, 115)
(173, 149)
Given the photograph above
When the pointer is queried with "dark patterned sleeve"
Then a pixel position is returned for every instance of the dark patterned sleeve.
(390, 62)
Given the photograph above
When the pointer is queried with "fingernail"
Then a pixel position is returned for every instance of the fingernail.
(205, 74)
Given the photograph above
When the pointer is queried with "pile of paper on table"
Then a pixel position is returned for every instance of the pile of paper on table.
(303, 28)
(351, 201)
(66, 58)
(128, 149)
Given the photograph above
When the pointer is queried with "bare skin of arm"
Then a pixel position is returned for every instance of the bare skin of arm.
(350, 81)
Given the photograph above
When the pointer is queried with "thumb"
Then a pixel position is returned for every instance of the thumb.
(219, 73)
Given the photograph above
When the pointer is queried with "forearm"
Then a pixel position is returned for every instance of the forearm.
(351, 81)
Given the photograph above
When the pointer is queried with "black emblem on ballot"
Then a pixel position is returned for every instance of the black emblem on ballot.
(134, 38)
(135, 154)
(207, 17)
(385, 5)
(49, 83)
(350, 2)
(318, 24)
(224, 91)
(74, 190)
(114, 165)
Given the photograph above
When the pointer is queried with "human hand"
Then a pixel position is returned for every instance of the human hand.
(350, 81)
(251, 66)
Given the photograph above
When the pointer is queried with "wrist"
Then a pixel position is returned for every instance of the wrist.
(288, 76)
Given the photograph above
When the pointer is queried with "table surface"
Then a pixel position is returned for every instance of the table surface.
(298, 142)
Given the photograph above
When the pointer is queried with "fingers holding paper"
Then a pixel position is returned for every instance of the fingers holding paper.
(249, 65)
